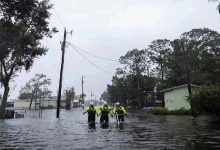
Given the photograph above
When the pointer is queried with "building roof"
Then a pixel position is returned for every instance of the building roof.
(177, 87)
(75, 101)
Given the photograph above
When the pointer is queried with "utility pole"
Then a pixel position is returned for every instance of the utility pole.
(91, 95)
(82, 94)
(63, 46)
(138, 88)
(188, 75)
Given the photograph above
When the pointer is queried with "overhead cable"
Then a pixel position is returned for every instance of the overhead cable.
(58, 17)
(89, 60)
(108, 59)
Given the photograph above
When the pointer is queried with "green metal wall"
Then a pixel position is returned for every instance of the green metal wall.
(176, 98)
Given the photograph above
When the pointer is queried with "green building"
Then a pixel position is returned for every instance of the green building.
(176, 97)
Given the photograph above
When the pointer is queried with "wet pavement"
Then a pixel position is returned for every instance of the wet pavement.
(141, 131)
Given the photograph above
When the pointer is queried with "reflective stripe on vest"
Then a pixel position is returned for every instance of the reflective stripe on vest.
(119, 111)
(105, 111)
(91, 111)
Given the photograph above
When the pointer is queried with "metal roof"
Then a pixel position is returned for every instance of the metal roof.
(177, 87)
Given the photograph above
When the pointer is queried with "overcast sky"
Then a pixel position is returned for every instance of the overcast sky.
(110, 28)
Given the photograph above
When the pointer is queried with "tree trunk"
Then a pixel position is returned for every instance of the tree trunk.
(31, 100)
(68, 104)
(162, 74)
(4, 101)
(139, 96)
(35, 107)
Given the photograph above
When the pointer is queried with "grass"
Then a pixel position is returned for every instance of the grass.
(165, 111)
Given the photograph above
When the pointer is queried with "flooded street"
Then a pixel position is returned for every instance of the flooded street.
(140, 131)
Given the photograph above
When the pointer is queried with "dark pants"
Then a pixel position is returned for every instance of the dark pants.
(91, 118)
(104, 118)
(121, 118)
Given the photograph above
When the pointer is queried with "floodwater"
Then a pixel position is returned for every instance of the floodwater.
(141, 131)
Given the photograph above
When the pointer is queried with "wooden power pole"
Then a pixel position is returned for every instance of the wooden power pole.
(63, 46)
(188, 75)
(82, 94)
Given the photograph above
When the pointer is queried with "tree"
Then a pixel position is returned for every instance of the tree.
(134, 61)
(218, 7)
(135, 64)
(23, 95)
(137, 79)
(207, 99)
(149, 83)
(202, 57)
(105, 96)
(158, 52)
(117, 91)
(202, 49)
(36, 88)
(176, 72)
(23, 25)
(70, 95)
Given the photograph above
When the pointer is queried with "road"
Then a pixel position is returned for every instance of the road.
(141, 131)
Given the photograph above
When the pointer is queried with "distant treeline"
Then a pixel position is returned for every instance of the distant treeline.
(144, 73)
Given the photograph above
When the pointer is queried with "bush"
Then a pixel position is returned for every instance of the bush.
(207, 99)
(165, 111)
(159, 111)
(181, 111)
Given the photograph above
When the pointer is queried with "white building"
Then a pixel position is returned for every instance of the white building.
(176, 97)
(46, 104)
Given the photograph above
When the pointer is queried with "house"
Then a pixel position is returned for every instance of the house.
(76, 103)
(49, 103)
(23, 104)
(176, 97)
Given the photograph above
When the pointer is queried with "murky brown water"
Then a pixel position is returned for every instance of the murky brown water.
(140, 131)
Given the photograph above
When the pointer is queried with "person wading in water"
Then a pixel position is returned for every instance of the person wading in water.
(119, 112)
(92, 112)
(105, 111)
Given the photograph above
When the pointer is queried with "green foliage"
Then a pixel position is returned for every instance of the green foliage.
(125, 88)
(207, 99)
(117, 90)
(105, 95)
(159, 111)
(203, 50)
(158, 51)
(23, 24)
(162, 65)
(175, 64)
(134, 61)
(36, 88)
(23, 96)
(165, 111)
(70, 95)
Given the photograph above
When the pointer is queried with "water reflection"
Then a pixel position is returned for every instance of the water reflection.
(140, 131)
(104, 125)
(92, 125)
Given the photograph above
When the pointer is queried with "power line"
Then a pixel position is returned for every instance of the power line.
(59, 19)
(89, 60)
(108, 59)
(73, 64)
(58, 16)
